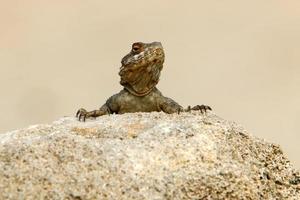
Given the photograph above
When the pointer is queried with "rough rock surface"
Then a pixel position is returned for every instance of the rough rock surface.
(143, 156)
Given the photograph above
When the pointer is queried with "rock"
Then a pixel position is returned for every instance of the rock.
(143, 156)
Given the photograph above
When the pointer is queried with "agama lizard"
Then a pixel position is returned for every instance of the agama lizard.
(140, 72)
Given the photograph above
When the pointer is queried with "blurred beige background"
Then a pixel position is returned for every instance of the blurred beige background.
(240, 57)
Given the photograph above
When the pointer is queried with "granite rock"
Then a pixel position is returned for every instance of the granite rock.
(143, 156)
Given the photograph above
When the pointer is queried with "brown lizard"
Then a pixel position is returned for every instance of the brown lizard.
(140, 72)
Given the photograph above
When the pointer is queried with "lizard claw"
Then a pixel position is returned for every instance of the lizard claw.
(178, 111)
(202, 108)
(189, 109)
(82, 113)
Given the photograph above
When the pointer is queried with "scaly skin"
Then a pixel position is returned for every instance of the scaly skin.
(140, 72)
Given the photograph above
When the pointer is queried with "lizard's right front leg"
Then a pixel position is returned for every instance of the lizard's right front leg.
(82, 114)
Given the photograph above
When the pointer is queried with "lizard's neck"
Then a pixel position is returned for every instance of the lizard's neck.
(139, 94)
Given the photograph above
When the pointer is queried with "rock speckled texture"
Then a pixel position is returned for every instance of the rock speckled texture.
(143, 156)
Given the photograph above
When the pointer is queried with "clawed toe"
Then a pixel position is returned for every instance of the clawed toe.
(81, 110)
(201, 108)
(81, 114)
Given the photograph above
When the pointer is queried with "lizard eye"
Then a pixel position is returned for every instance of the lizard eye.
(137, 47)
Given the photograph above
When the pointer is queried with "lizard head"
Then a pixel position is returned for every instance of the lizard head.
(141, 67)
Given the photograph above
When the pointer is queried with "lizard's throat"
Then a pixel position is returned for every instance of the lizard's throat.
(140, 81)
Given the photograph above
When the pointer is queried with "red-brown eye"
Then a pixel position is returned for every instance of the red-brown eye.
(137, 47)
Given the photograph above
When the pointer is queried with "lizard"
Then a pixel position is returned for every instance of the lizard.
(140, 71)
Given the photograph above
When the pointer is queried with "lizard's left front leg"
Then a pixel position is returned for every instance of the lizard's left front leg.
(202, 108)
(169, 106)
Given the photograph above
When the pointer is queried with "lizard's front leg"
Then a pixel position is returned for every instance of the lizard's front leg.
(82, 114)
(170, 106)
